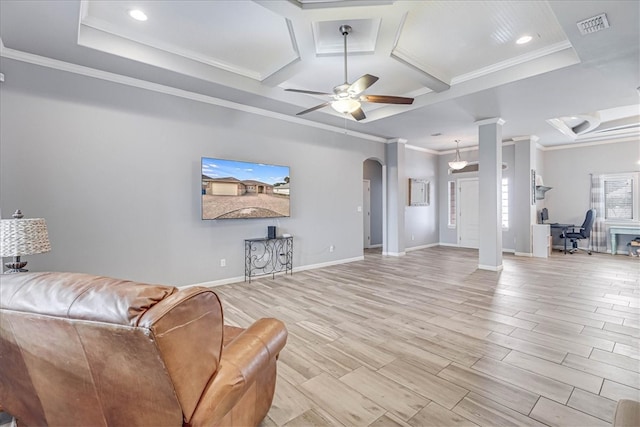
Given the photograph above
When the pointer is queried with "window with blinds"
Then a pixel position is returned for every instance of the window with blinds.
(618, 198)
(452, 203)
(505, 203)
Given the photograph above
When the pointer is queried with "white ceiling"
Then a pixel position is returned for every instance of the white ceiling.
(458, 59)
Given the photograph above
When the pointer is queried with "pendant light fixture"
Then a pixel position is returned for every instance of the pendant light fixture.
(457, 163)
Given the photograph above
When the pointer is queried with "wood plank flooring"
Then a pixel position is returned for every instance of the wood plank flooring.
(429, 340)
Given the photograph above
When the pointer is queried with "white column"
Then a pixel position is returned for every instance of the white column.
(396, 196)
(524, 207)
(490, 181)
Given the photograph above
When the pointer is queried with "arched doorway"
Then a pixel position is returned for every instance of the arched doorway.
(373, 204)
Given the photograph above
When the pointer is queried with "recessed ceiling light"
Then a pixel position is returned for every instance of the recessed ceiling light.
(524, 39)
(138, 15)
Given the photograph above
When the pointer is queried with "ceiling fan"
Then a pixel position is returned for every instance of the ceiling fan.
(347, 98)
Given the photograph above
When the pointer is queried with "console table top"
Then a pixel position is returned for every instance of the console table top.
(264, 239)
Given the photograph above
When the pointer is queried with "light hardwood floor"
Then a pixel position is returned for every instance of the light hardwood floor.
(429, 340)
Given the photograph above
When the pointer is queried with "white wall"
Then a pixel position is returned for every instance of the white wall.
(421, 222)
(567, 171)
(115, 171)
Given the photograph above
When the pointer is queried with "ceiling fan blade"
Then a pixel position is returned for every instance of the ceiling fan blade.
(386, 99)
(310, 92)
(358, 114)
(362, 83)
(317, 107)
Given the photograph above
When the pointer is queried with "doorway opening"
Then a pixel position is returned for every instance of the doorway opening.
(372, 204)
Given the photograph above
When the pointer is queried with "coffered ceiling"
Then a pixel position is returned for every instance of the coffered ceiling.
(458, 59)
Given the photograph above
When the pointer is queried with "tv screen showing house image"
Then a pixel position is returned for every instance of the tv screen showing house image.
(232, 189)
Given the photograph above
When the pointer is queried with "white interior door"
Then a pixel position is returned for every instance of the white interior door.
(366, 212)
(468, 213)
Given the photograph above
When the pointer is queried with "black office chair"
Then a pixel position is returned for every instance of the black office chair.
(581, 233)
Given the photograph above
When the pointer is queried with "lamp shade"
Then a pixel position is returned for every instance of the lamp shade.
(20, 237)
(457, 163)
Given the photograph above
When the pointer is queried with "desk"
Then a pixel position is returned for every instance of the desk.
(614, 231)
(564, 228)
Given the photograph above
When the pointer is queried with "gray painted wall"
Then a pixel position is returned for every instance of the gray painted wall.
(115, 171)
(421, 222)
(373, 172)
(567, 171)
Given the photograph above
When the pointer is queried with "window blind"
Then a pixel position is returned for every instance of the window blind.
(618, 198)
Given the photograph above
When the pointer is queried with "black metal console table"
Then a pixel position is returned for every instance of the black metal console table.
(267, 256)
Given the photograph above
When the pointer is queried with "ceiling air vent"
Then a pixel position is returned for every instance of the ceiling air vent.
(593, 24)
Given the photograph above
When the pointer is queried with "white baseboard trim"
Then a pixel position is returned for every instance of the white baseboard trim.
(394, 253)
(454, 245)
(416, 248)
(490, 267)
(374, 246)
(214, 283)
(238, 279)
(327, 264)
(451, 245)
(526, 254)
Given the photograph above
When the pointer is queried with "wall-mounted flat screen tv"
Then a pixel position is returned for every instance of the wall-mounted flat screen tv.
(233, 189)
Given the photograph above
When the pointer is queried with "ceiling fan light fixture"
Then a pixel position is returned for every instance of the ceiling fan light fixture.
(457, 163)
(138, 15)
(347, 98)
(345, 106)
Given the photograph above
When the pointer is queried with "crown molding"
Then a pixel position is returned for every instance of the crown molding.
(522, 59)
(496, 120)
(424, 150)
(591, 144)
(532, 138)
(168, 90)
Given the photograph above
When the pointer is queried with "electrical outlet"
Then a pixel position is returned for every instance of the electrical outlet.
(413, 237)
(331, 248)
(223, 262)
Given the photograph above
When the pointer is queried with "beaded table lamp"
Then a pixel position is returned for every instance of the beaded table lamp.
(20, 237)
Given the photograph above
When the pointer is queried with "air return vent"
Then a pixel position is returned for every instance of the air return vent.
(593, 24)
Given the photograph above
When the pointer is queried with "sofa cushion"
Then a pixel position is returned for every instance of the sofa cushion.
(81, 296)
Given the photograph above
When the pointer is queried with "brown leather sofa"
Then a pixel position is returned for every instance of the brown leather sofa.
(84, 350)
(627, 414)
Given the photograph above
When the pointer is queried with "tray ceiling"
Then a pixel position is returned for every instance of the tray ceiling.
(414, 47)
(458, 57)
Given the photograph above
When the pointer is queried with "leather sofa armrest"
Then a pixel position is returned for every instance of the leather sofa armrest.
(242, 360)
(627, 414)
